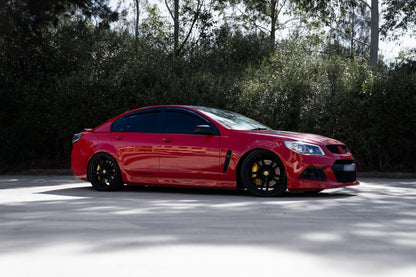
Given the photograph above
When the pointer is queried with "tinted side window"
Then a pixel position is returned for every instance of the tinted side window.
(181, 123)
(142, 123)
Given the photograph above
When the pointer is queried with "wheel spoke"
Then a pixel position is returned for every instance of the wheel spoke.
(260, 163)
(100, 163)
(102, 180)
(267, 183)
(109, 176)
(262, 183)
(275, 177)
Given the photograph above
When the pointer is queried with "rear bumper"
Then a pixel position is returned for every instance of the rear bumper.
(79, 162)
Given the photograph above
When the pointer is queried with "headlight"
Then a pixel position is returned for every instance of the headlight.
(304, 148)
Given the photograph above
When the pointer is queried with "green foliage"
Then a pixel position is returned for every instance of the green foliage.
(55, 81)
(373, 112)
(81, 76)
(399, 15)
(348, 21)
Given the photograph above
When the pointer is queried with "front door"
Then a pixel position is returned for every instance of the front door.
(184, 154)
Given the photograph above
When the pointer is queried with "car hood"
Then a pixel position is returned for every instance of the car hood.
(310, 138)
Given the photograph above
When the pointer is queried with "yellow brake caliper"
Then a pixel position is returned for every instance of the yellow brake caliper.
(98, 172)
(254, 170)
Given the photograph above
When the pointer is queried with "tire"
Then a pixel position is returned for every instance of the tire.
(263, 174)
(104, 173)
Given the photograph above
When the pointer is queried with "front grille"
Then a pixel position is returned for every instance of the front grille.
(313, 173)
(337, 149)
(333, 148)
(345, 171)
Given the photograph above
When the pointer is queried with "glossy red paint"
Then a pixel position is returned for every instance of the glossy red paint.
(200, 160)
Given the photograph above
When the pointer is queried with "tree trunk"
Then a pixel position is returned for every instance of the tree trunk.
(352, 52)
(273, 23)
(176, 26)
(136, 29)
(374, 33)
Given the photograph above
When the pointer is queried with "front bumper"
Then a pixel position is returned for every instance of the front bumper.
(321, 172)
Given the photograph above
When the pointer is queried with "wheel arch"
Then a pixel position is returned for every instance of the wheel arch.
(244, 156)
(99, 153)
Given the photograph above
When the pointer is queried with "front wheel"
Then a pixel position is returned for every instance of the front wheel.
(263, 174)
(104, 173)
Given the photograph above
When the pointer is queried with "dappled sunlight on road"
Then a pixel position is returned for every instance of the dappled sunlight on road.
(368, 229)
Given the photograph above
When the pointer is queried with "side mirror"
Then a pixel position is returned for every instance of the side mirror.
(204, 130)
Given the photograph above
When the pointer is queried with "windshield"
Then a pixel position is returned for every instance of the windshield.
(232, 120)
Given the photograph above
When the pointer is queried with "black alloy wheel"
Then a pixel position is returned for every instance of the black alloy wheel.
(104, 173)
(263, 174)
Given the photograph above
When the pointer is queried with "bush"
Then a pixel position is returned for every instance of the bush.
(371, 110)
(79, 76)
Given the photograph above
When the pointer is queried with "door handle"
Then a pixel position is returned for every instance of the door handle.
(167, 139)
(120, 137)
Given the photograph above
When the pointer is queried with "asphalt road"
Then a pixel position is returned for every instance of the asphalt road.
(59, 226)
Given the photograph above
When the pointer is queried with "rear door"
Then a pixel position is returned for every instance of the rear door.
(184, 154)
(135, 138)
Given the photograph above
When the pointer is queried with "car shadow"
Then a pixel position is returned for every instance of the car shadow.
(132, 190)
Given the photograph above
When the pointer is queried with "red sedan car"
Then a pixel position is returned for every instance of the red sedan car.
(191, 146)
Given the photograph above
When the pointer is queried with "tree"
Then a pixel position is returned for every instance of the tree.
(397, 14)
(22, 21)
(192, 10)
(264, 15)
(351, 30)
(375, 32)
(329, 12)
(26, 24)
(142, 19)
(136, 26)
(44, 12)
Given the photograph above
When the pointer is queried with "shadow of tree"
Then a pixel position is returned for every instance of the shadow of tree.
(370, 226)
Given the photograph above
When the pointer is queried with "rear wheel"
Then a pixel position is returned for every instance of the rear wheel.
(263, 174)
(104, 173)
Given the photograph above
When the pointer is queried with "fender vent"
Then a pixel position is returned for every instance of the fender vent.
(227, 161)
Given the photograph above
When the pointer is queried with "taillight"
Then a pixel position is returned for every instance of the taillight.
(76, 138)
